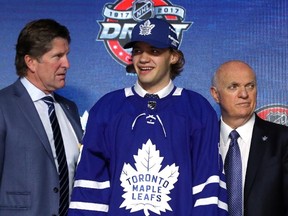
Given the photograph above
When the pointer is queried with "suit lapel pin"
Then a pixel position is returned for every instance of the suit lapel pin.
(264, 138)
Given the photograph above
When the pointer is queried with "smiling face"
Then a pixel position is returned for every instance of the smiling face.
(49, 72)
(235, 90)
(152, 66)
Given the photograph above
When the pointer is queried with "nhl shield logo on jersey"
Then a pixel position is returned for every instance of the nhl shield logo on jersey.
(147, 187)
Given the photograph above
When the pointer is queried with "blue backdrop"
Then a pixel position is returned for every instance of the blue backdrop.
(211, 32)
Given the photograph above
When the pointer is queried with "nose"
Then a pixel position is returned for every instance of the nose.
(65, 62)
(243, 93)
(144, 57)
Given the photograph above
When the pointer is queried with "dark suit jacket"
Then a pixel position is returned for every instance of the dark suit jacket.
(266, 184)
(28, 175)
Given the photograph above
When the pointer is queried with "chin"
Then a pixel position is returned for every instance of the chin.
(60, 86)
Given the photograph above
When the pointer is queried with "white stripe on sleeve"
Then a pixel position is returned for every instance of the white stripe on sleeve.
(89, 206)
(91, 184)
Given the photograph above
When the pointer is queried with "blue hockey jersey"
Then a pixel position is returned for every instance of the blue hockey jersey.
(144, 156)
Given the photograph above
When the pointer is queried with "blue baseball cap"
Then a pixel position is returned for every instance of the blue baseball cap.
(157, 32)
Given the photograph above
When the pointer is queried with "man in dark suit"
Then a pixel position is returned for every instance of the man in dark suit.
(29, 167)
(263, 145)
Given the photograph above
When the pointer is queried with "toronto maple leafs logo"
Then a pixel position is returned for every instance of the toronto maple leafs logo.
(146, 28)
(147, 188)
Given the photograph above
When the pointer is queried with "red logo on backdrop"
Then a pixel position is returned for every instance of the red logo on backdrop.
(121, 16)
(274, 113)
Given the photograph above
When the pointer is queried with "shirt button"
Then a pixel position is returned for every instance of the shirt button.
(55, 189)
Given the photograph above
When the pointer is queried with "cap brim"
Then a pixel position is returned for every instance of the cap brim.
(129, 44)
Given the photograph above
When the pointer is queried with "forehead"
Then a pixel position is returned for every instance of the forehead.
(238, 73)
(60, 44)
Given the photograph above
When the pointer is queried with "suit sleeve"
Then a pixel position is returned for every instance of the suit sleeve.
(285, 171)
(2, 143)
(92, 184)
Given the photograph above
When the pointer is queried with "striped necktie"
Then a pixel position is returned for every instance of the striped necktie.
(233, 171)
(61, 157)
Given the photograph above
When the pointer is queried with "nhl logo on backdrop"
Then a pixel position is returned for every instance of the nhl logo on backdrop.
(142, 9)
(274, 113)
(121, 16)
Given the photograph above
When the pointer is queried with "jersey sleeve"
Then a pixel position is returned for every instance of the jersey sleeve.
(209, 187)
(92, 183)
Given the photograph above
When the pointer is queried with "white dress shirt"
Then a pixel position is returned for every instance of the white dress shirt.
(69, 137)
(244, 142)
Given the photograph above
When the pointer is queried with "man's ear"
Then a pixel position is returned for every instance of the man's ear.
(30, 62)
(214, 93)
(174, 57)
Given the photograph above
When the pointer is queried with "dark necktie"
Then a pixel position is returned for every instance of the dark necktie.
(233, 171)
(61, 157)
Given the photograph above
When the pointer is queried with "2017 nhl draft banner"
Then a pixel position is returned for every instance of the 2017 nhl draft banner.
(210, 32)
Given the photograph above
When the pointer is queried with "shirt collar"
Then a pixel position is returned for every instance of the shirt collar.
(162, 93)
(35, 93)
(245, 131)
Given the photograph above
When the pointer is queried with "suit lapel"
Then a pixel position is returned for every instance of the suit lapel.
(71, 117)
(257, 149)
(26, 106)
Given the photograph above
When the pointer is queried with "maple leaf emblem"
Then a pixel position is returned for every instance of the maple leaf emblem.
(147, 188)
(145, 29)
